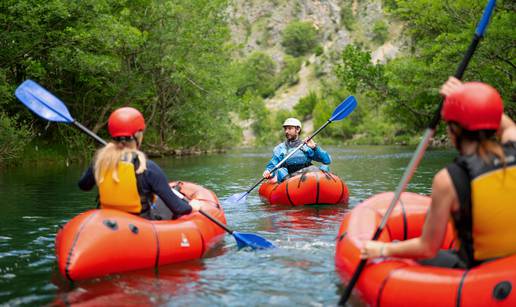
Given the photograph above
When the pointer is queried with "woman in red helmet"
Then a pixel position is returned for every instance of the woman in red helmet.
(126, 179)
(477, 191)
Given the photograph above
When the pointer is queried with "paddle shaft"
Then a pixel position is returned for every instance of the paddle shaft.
(289, 155)
(214, 220)
(89, 132)
(206, 214)
(420, 151)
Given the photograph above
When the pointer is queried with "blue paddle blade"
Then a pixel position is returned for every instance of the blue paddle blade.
(344, 109)
(42, 102)
(238, 198)
(482, 25)
(251, 240)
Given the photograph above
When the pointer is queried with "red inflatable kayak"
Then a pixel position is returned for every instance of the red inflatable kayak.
(405, 282)
(103, 241)
(306, 188)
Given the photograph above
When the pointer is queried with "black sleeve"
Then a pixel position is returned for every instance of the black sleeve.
(87, 181)
(159, 185)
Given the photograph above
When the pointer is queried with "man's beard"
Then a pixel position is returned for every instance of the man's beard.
(291, 137)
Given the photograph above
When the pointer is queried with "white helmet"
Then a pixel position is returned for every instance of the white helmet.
(292, 122)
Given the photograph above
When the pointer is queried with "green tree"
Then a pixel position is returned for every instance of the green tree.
(289, 71)
(441, 33)
(299, 38)
(305, 106)
(257, 74)
(323, 109)
(406, 89)
(186, 59)
(171, 59)
(358, 74)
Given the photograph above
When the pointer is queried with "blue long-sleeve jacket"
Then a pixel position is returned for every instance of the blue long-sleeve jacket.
(302, 158)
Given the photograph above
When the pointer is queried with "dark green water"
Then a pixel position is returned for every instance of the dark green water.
(36, 200)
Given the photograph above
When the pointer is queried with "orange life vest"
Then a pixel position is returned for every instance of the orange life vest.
(486, 221)
(123, 194)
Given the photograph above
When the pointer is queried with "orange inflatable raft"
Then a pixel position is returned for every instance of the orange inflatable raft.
(306, 188)
(103, 241)
(405, 282)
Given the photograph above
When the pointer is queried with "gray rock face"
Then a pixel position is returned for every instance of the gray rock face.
(257, 25)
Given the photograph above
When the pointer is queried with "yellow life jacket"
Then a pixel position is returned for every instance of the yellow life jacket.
(486, 221)
(122, 195)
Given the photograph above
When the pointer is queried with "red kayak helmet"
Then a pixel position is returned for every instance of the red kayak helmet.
(125, 122)
(477, 106)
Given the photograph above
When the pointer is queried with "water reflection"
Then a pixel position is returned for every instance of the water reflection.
(140, 288)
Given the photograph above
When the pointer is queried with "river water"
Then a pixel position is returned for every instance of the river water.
(37, 199)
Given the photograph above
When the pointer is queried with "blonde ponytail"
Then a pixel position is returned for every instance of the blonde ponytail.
(107, 159)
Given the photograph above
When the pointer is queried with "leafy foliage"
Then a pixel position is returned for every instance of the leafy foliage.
(170, 59)
(256, 74)
(380, 31)
(299, 38)
(442, 31)
(340, 130)
(405, 90)
(346, 15)
(305, 106)
(289, 71)
(14, 136)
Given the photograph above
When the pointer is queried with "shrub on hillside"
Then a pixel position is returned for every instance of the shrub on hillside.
(319, 50)
(299, 38)
(380, 31)
(289, 71)
(256, 74)
(267, 124)
(305, 106)
(346, 15)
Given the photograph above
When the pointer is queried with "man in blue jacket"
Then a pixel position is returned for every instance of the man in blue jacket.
(299, 160)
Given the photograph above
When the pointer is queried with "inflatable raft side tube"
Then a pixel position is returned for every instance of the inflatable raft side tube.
(317, 188)
(382, 286)
(288, 194)
(461, 285)
(156, 236)
(341, 192)
(70, 253)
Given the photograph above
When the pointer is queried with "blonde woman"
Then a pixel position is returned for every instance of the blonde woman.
(126, 179)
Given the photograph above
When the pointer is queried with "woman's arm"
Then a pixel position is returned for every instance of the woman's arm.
(507, 130)
(426, 246)
(159, 185)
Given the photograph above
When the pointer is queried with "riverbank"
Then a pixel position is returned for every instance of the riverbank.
(42, 153)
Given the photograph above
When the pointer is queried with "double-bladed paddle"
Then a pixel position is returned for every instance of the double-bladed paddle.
(345, 108)
(46, 105)
(418, 154)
